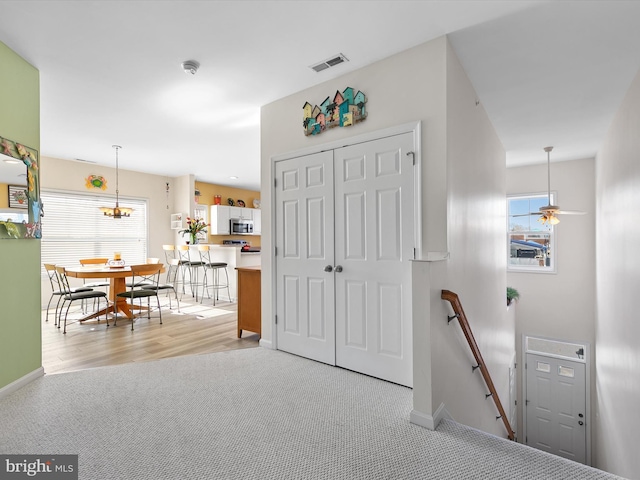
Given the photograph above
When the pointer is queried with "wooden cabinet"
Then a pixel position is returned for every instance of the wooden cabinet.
(249, 298)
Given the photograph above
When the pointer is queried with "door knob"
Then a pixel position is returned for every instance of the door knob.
(328, 268)
(338, 268)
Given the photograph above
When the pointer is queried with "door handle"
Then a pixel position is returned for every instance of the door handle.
(328, 268)
(338, 268)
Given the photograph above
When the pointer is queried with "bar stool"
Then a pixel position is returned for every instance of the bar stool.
(215, 267)
(188, 265)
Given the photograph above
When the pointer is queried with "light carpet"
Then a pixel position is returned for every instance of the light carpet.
(252, 414)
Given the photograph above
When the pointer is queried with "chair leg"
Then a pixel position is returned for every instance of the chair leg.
(65, 318)
(48, 305)
(228, 291)
(159, 308)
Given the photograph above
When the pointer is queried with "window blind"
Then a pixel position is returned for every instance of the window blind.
(74, 228)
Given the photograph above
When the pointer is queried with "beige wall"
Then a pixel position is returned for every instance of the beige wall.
(421, 84)
(476, 268)
(618, 284)
(560, 305)
(57, 174)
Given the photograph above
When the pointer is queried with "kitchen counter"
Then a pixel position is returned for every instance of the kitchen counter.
(233, 256)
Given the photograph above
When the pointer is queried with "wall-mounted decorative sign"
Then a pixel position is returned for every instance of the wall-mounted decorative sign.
(96, 181)
(18, 197)
(346, 108)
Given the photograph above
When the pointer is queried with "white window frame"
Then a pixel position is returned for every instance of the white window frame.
(552, 269)
(66, 247)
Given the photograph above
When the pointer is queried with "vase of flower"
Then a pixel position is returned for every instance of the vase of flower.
(194, 227)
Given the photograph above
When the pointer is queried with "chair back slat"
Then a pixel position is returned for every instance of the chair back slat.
(94, 261)
(63, 281)
(205, 254)
(145, 275)
(53, 276)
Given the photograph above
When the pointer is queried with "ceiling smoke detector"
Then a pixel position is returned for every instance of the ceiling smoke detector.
(331, 62)
(190, 66)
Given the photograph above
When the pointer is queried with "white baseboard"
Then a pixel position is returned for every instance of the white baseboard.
(430, 422)
(266, 343)
(21, 382)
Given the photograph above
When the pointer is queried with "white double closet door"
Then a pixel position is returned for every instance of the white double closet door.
(344, 240)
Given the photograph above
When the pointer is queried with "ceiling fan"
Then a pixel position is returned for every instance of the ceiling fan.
(548, 212)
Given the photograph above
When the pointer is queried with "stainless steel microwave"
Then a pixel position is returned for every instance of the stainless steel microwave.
(240, 226)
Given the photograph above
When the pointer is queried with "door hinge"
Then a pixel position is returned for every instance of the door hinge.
(275, 251)
(275, 182)
(414, 253)
(526, 440)
(276, 319)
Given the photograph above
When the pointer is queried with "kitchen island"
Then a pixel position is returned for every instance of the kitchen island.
(234, 257)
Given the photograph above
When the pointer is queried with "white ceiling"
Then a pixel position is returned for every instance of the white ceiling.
(547, 72)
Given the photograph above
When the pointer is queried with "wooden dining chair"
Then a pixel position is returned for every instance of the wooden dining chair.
(57, 291)
(86, 262)
(173, 269)
(71, 295)
(144, 284)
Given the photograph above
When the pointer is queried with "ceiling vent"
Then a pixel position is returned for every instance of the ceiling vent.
(331, 62)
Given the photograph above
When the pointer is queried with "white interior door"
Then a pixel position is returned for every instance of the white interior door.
(374, 226)
(350, 306)
(556, 406)
(304, 204)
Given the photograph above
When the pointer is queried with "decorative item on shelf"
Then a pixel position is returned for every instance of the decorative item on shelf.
(96, 181)
(197, 195)
(116, 212)
(240, 203)
(217, 199)
(344, 110)
(194, 226)
(256, 203)
(230, 202)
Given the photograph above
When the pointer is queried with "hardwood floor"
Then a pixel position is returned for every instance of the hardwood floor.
(198, 329)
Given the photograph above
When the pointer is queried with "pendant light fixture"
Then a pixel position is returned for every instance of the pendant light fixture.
(116, 212)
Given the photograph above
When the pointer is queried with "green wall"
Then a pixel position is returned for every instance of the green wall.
(20, 335)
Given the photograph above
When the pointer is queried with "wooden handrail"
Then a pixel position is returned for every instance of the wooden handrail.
(464, 324)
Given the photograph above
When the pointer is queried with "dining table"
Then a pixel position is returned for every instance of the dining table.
(117, 276)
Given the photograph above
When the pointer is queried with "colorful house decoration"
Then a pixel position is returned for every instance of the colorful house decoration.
(344, 110)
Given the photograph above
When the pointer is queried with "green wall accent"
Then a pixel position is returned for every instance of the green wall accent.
(20, 340)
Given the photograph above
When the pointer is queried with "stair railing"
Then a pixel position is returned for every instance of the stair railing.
(464, 324)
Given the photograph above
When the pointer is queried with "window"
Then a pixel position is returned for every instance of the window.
(74, 228)
(531, 244)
